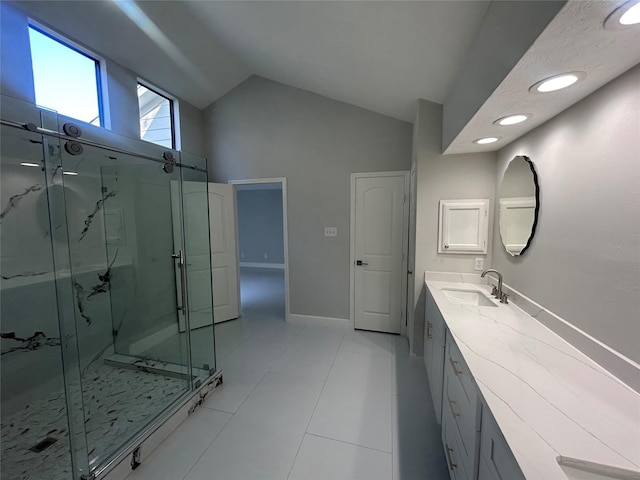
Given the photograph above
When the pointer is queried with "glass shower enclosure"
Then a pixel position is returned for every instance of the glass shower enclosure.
(105, 260)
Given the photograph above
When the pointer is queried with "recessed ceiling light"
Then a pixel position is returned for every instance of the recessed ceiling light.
(557, 82)
(631, 16)
(485, 140)
(70, 173)
(624, 16)
(513, 119)
(29, 164)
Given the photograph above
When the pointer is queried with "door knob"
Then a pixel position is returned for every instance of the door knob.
(360, 262)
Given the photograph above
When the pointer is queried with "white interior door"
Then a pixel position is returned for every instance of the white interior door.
(198, 267)
(224, 257)
(221, 272)
(379, 249)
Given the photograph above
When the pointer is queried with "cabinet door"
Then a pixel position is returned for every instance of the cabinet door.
(496, 460)
(428, 341)
(437, 371)
(463, 226)
(434, 353)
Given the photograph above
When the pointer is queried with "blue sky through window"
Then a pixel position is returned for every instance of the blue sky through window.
(65, 80)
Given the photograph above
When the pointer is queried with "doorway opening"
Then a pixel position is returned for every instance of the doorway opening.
(262, 248)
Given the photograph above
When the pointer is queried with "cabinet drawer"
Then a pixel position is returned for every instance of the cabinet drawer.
(453, 448)
(464, 412)
(462, 382)
(461, 402)
(496, 459)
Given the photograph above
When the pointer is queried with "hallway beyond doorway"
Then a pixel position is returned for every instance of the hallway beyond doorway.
(262, 293)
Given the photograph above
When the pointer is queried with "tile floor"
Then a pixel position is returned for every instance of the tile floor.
(307, 402)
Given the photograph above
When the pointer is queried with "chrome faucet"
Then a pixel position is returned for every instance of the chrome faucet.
(496, 292)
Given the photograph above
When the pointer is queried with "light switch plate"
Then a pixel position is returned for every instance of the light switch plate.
(330, 231)
(479, 263)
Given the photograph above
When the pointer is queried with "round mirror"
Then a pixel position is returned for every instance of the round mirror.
(519, 203)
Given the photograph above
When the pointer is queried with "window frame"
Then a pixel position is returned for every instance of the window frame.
(104, 111)
(174, 109)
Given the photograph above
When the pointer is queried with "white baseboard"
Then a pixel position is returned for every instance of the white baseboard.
(296, 319)
(153, 339)
(262, 265)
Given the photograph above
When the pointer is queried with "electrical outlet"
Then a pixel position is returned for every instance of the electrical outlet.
(479, 263)
(265, 255)
(330, 231)
(242, 255)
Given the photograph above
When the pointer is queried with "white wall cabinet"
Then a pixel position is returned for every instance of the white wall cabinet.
(463, 226)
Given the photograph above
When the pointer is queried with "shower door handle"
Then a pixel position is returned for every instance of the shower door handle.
(183, 280)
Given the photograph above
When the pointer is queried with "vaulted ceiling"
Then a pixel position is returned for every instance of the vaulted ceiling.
(379, 55)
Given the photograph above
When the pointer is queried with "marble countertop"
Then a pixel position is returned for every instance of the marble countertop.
(548, 398)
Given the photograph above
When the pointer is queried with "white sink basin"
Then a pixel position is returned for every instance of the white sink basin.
(467, 297)
(576, 469)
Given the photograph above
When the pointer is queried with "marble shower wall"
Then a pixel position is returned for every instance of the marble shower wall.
(30, 338)
(28, 294)
(35, 218)
(140, 227)
(120, 236)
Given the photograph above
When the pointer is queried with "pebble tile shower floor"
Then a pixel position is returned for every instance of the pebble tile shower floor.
(115, 401)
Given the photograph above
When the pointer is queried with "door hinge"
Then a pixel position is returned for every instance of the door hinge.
(135, 459)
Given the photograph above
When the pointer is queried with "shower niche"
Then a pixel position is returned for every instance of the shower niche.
(95, 261)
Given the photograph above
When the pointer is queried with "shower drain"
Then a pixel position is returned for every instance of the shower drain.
(43, 444)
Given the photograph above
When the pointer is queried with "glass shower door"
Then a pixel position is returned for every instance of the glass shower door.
(197, 248)
(106, 301)
(33, 409)
(134, 362)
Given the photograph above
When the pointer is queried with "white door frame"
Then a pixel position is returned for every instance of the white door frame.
(405, 236)
(285, 232)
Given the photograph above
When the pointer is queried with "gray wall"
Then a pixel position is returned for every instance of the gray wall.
(264, 129)
(260, 225)
(491, 58)
(440, 177)
(15, 55)
(17, 81)
(584, 261)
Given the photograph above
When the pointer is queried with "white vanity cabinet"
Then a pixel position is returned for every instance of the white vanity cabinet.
(434, 337)
(504, 413)
(461, 415)
(473, 443)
